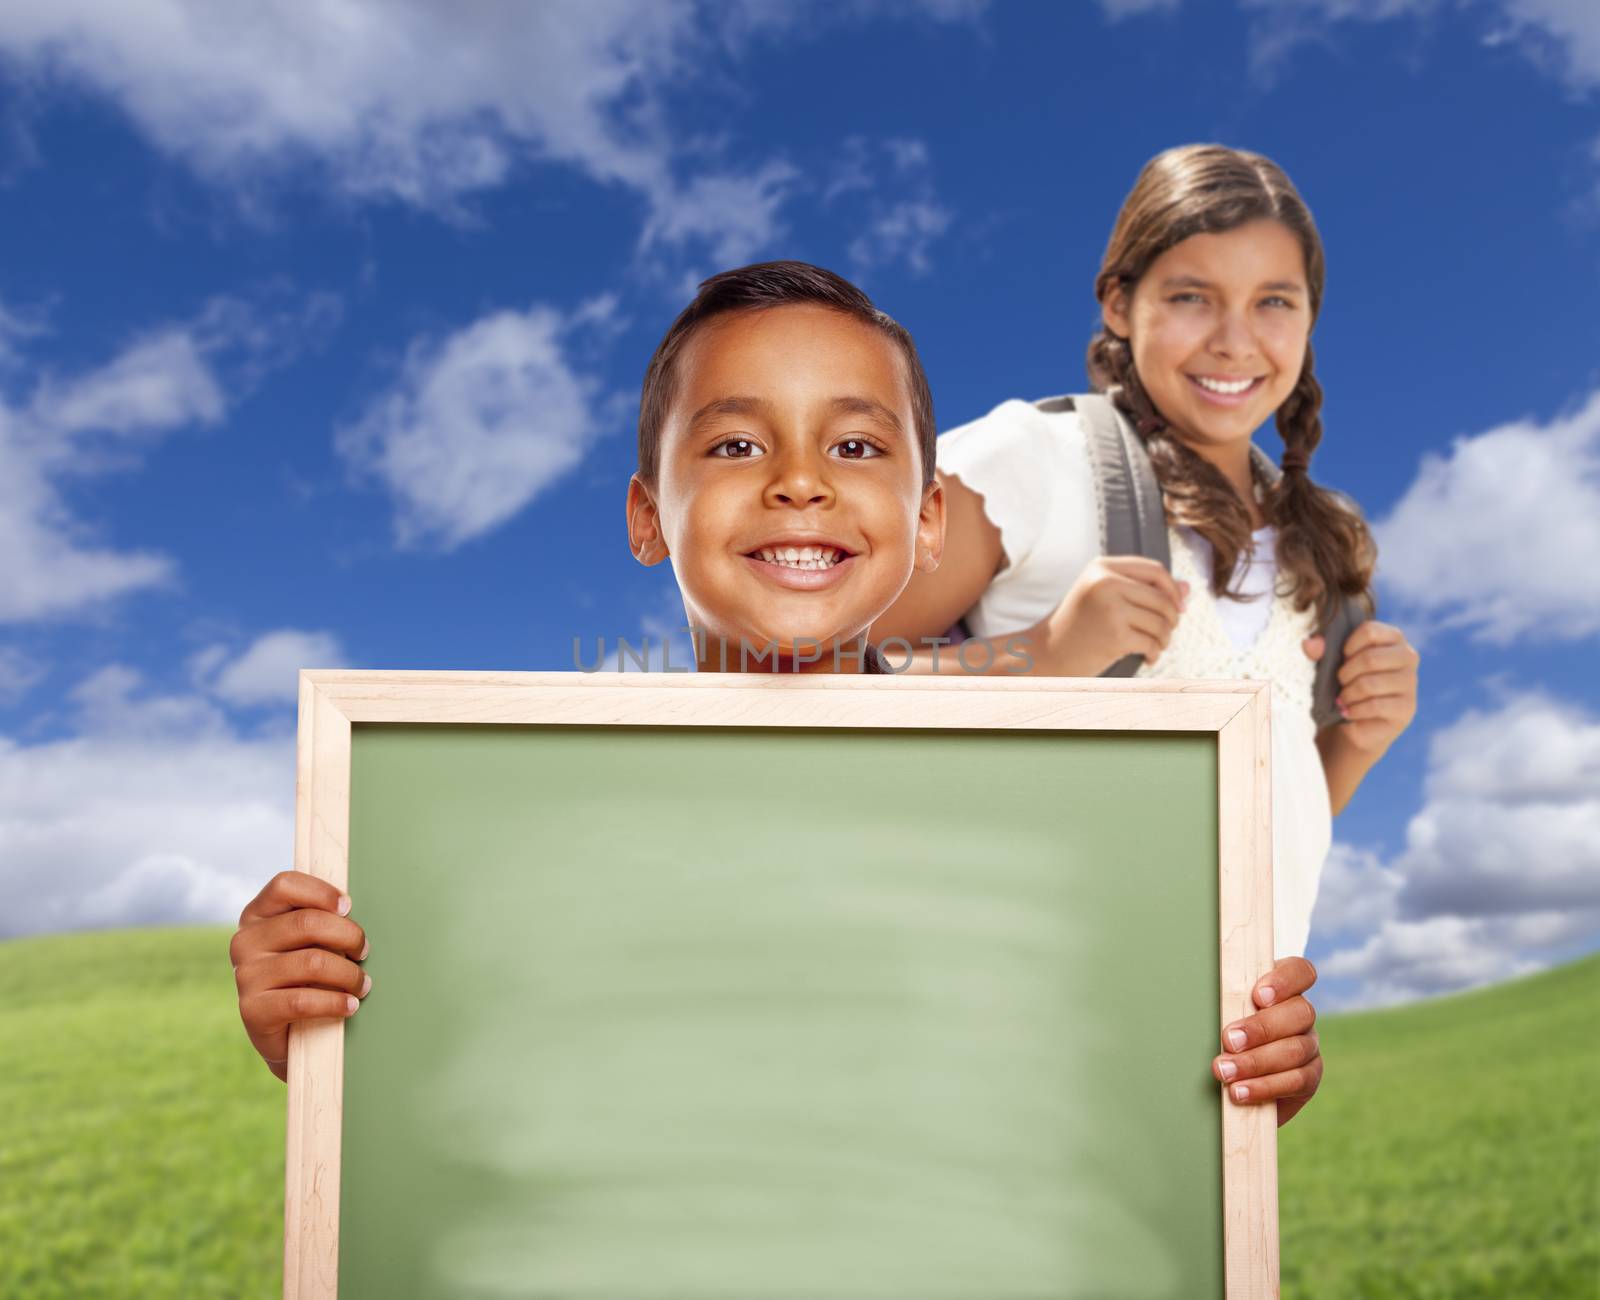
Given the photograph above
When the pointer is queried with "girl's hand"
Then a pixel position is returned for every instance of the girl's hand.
(1120, 605)
(1274, 1055)
(1378, 686)
(292, 961)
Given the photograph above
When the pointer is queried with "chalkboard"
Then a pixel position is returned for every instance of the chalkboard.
(701, 986)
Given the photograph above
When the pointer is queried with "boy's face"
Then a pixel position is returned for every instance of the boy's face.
(791, 427)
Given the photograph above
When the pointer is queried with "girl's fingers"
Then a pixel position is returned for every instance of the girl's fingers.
(1152, 599)
(1149, 573)
(1371, 685)
(1302, 1081)
(1151, 625)
(1382, 658)
(1372, 633)
(289, 890)
(1273, 1058)
(1386, 708)
(1281, 1020)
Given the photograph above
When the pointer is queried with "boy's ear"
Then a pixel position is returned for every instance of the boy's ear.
(644, 524)
(930, 527)
(1114, 311)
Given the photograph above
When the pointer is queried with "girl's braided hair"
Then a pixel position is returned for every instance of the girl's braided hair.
(1324, 546)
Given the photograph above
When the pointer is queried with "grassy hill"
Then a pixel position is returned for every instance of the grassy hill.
(1454, 1149)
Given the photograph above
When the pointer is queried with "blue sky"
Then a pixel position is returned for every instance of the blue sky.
(320, 343)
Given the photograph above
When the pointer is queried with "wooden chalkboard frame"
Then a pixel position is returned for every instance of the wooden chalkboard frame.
(1237, 713)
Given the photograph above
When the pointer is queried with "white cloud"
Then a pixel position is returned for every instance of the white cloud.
(889, 197)
(159, 382)
(1500, 874)
(1511, 821)
(737, 216)
(1119, 9)
(477, 426)
(154, 809)
(422, 101)
(19, 674)
(176, 376)
(1484, 539)
(1406, 960)
(1564, 34)
(1357, 892)
(1561, 36)
(268, 670)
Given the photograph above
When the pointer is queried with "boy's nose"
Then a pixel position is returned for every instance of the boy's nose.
(799, 480)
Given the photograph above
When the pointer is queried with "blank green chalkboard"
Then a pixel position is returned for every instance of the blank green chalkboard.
(764, 1008)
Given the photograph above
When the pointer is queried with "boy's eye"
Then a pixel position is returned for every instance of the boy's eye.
(859, 449)
(1187, 297)
(1276, 301)
(744, 449)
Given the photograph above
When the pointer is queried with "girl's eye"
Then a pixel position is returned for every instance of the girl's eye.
(859, 449)
(747, 450)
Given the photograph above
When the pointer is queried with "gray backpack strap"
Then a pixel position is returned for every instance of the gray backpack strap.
(1351, 614)
(1132, 518)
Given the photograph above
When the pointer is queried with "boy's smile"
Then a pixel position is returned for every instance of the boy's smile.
(790, 494)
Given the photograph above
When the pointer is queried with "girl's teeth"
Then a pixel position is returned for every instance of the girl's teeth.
(801, 557)
(1219, 386)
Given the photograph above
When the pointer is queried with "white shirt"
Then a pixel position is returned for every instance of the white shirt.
(1034, 474)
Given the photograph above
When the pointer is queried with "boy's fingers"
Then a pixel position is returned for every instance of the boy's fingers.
(272, 1011)
(1273, 1058)
(289, 890)
(309, 927)
(303, 968)
(1299, 1082)
(1281, 1020)
(1288, 976)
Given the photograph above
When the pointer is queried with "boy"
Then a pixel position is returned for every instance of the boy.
(786, 467)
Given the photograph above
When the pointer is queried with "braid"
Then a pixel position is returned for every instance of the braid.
(1325, 552)
(1193, 491)
(1322, 540)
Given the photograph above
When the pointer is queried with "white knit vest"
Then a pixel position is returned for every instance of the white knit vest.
(1200, 645)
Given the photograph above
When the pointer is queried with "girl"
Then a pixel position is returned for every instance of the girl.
(1210, 284)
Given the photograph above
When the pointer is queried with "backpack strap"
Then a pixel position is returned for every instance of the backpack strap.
(1350, 615)
(1132, 518)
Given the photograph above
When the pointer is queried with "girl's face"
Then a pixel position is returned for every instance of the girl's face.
(1218, 326)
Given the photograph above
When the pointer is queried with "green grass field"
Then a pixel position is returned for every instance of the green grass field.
(1454, 1149)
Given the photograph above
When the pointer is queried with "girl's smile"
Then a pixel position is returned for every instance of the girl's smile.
(1218, 325)
(1223, 391)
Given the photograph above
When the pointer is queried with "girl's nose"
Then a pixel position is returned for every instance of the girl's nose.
(1233, 337)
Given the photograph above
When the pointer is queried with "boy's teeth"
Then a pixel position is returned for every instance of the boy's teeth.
(800, 557)
(1219, 386)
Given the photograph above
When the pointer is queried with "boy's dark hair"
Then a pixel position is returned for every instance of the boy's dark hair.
(772, 284)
